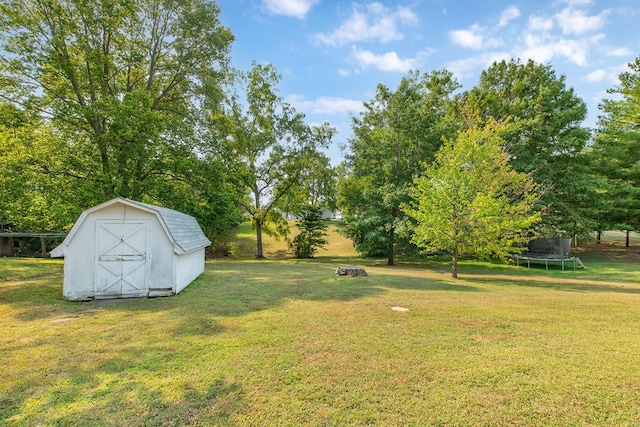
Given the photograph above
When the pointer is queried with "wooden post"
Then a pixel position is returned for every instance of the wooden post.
(43, 247)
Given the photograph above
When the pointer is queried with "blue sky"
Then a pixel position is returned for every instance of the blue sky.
(333, 54)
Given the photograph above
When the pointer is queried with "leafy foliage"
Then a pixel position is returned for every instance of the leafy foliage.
(470, 201)
(617, 152)
(35, 188)
(268, 147)
(317, 186)
(397, 132)
(313, 230)
(114, 76)
(543, 137)
(121, 84)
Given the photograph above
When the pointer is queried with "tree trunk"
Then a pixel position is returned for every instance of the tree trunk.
(627, 240)
(390, 250)
(454, 263)
(259, 254)
(598, 237)
(43, 247)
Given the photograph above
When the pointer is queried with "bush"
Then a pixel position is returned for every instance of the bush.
(312, 233)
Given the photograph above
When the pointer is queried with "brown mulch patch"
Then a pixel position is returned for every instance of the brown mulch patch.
(608, 251)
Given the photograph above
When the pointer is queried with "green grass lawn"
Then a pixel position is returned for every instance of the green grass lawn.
(285, 342)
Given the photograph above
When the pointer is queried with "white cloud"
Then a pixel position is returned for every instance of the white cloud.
(568, 32)
(620, 51)
(509, 14)
(570, 40)
(596, 76)
(578, 2)
(544, 48)
(406, 16)
(473, 38)
(609, 74)
(537, 23)
(468, 66)
(386, 62)
(325, 105)
(477, 37)
(576, 21)
(467, 38)
(371, 22)
(294, 8)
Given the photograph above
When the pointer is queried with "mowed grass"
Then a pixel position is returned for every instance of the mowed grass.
(285, 342)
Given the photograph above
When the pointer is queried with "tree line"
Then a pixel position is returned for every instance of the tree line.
(417, 170)
(136, 98)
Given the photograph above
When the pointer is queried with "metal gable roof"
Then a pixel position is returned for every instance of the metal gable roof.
(184, 229)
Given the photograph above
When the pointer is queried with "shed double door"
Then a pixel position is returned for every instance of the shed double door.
(123, 259)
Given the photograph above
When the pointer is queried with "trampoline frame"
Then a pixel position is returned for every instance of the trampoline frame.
(547, 259)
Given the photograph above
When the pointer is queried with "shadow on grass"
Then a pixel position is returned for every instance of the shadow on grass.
(134, 378)
(235, 287)
(230, 288)
(559, 284)
(135, 375)
(78, 379)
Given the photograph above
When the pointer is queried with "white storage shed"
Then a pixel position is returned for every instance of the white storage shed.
(123, 248)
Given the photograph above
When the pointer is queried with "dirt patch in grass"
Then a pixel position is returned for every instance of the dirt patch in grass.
(114, 301)
(610, 251)
(64, 319)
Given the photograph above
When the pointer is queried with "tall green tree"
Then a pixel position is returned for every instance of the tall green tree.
(470, 201)
(313, 230)
(35, 185)
(616, 152)
(398, 130)
(317, 186)
(545, 138)
(269, 147)
(121, 83)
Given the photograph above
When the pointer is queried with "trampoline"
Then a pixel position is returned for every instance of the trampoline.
(549, 250)
(547, 259)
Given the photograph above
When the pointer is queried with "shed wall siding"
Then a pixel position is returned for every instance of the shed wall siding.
(162, 258)
(188, 267)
